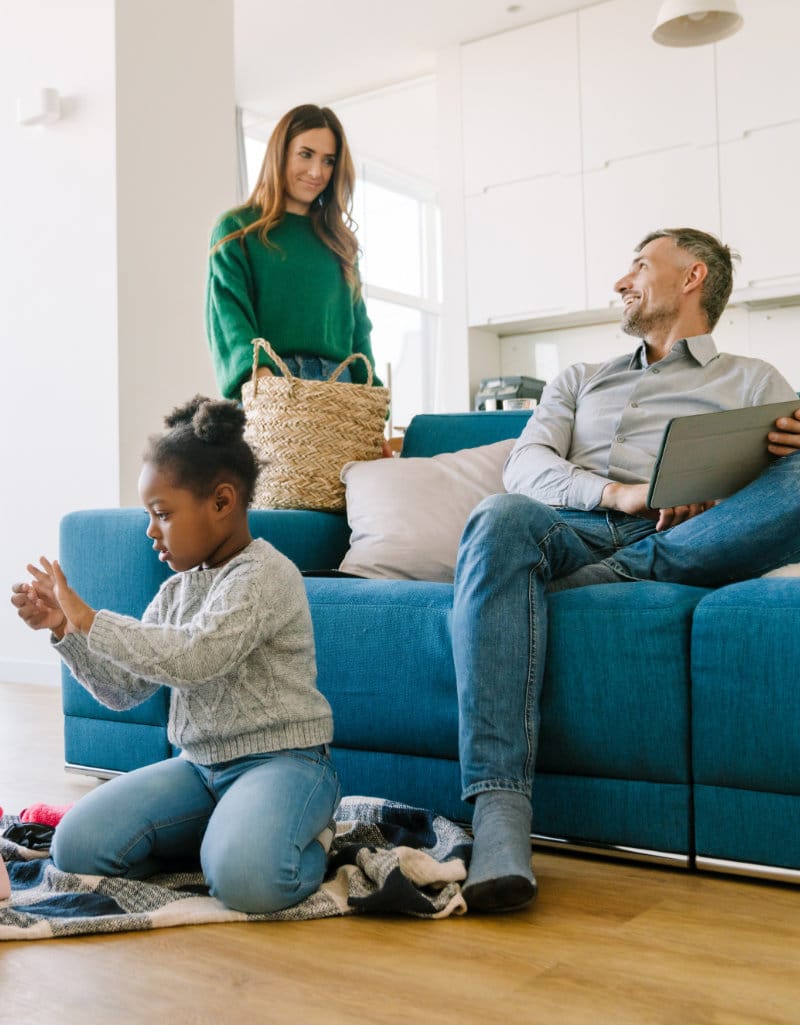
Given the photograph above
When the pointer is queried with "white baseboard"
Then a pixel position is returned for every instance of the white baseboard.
(46, 674)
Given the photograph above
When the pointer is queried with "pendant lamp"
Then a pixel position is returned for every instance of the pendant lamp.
(695, 22)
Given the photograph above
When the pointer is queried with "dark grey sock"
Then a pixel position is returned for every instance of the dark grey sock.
(500, 876)
(594, 573)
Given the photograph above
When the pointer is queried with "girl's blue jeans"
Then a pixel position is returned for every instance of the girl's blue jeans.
(513, 546)
(252, 821)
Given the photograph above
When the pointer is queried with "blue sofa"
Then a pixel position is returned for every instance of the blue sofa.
(684, 749)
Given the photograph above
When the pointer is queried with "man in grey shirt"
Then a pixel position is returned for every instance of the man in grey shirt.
(576, 513)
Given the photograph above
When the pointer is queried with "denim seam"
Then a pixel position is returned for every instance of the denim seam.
(153, 828)
(530, 690)
(498, 783)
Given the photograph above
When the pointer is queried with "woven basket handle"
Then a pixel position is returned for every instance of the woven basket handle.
(346, 362)
(262, 343)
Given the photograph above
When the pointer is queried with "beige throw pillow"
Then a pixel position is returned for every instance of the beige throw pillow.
(791, 569)
(407, 515)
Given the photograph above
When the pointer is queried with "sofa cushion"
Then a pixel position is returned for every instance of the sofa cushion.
(407, 515)
(614, 762)
(746, 723)
(385, 663)
(746, 719)
(616, 697)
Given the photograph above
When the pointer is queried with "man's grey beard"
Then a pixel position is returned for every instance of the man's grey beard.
(639, 324)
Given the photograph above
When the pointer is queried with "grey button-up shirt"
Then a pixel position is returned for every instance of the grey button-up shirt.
(604, 422)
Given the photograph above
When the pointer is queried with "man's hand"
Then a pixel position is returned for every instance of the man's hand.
(632, 499)
(785, 439)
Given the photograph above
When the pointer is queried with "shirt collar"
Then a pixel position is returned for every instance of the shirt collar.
(700, 347)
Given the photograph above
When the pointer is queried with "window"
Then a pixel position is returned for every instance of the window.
(254, 150)
(400, 237)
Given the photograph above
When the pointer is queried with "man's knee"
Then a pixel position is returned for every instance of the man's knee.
(512, 517)
(499, 512)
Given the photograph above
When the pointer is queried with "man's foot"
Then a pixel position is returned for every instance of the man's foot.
(500, 876)
(511, 893)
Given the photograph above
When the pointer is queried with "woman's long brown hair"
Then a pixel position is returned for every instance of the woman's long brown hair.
(330, 214)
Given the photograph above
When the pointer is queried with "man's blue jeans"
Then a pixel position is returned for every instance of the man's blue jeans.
(252, 822)
(513, 546)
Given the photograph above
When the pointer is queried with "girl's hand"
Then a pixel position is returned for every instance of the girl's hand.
(38, 611)
(51, 589)
(80, 616)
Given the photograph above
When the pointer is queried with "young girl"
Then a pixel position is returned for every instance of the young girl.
(284, 265)
(230, 633)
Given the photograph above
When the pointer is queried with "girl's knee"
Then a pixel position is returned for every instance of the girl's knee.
(71, 850)
(270, 887)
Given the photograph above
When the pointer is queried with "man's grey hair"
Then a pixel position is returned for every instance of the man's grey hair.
(717, 257)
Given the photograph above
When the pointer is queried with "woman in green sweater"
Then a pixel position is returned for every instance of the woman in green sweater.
(284, 266)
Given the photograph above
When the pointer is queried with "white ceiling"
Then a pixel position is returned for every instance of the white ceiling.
(322, 51)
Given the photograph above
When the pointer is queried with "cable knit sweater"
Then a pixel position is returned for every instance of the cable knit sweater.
(234, 644)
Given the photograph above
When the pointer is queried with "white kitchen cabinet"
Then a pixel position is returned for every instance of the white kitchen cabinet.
(521, 116)
(758, 70)
(760, 208)
(637, 96)
(630, 198)
(581, 135)
(525, 250)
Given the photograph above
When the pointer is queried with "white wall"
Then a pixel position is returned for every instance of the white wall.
(395, 128)
(175, 176)
(58, 401)
(105, 218)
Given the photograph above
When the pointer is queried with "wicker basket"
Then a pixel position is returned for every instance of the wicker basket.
(303, 432)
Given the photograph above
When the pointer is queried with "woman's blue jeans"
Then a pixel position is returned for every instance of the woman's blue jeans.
(315, 368)
(252, 821)
(513, 546)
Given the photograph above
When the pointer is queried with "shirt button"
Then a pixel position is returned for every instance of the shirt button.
(656, 370)
(620, 437)
(634, 405)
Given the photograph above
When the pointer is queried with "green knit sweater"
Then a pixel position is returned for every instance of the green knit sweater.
(293, 294)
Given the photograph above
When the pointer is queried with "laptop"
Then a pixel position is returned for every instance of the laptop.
(713, 455)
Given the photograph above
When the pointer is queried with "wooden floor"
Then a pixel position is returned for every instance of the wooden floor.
(609, 943)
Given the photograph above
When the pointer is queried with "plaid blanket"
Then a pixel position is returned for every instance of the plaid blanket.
(386, 858)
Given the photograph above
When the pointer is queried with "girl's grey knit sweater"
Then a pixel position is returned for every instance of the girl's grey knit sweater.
(234, 644)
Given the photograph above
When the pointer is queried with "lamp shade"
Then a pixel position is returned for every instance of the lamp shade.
(695, 22)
